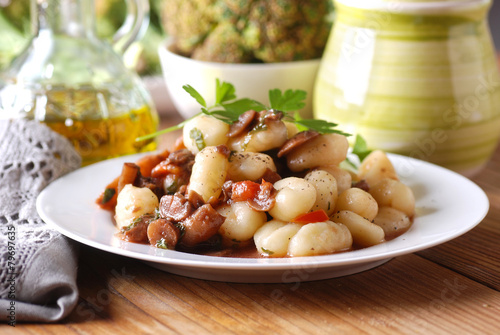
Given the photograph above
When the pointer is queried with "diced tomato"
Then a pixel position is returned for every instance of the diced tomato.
(311, 217)
(244, 190)
(147, 163)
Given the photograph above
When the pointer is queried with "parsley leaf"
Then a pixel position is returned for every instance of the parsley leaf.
(321, 126)
(242, 105)
(223, 92)
(360, 148)
(195, 94)
(288, 101)
(226, 107)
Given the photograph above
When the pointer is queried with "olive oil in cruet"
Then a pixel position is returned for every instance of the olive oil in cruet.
(78, 84)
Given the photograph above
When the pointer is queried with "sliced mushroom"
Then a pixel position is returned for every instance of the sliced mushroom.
(243, 123)
(175, 207)
(297, 141)
(163, 234)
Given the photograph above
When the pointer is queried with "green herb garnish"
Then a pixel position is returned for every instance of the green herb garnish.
(181, 228)
(197, 136)
(360, 149)
(288, 101)
(172, 187)
(161, 244)
(108, 195)
(228, 109)
(321, 126)
(266, 251)
(132, 225)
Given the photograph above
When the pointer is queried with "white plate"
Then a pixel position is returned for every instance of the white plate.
(448, 205)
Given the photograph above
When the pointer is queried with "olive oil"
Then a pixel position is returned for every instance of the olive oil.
(97, 140)
(78, 84)
(95, 122)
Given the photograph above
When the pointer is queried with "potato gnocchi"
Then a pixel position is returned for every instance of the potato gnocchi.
(259, 183)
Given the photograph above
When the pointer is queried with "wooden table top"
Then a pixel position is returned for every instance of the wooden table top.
(452, 288)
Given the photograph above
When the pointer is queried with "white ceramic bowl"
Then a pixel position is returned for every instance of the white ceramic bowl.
(250, 80)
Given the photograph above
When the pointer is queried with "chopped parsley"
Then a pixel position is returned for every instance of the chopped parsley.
(109, 193)
(132, 225)
(266, 251)
(197, 136)
(360, 149)
(161, 244)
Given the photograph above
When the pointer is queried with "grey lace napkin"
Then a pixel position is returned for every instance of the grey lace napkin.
(37, 264)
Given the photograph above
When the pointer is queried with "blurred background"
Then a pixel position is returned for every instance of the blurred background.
(494, 18)
(15, 30)
(142, 56)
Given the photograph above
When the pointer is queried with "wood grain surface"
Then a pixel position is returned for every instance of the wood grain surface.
(449, 289)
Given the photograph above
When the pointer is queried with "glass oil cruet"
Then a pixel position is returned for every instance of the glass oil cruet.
(78, 84)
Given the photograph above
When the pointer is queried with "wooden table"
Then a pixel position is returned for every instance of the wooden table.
(451, 289)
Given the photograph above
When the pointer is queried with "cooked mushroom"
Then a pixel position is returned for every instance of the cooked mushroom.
(297, 141)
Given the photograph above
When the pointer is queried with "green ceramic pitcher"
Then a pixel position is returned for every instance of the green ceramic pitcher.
(414, 77)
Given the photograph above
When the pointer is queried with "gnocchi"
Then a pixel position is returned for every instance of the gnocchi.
(320, 238)
(291, 129)
(272, 238)
(203, 131)
(259, 183)
(272, 136)
(326, 190)
(241, 222)
(392, 221)
(375, 167)
(249, 166)
(395, 194)
(328, 149)
(132, 203)
(209, 173)
(295, 196)
(343, 177)
(358, 201)
(364, 233)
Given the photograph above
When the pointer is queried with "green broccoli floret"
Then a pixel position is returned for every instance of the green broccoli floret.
(188, 22)
(242, 31)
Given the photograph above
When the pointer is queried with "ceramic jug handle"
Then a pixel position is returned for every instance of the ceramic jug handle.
(134, 26)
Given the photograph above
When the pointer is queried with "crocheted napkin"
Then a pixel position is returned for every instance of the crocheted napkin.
(37, 264)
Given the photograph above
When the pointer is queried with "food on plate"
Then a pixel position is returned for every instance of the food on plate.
(249, 180)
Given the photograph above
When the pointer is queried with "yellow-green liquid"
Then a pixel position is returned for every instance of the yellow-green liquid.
(95, 129)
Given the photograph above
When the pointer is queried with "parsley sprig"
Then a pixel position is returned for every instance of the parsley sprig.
(360, 150)
(228, 108)
(321, 126)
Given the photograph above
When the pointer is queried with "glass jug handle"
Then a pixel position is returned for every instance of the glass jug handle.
(134, 26)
